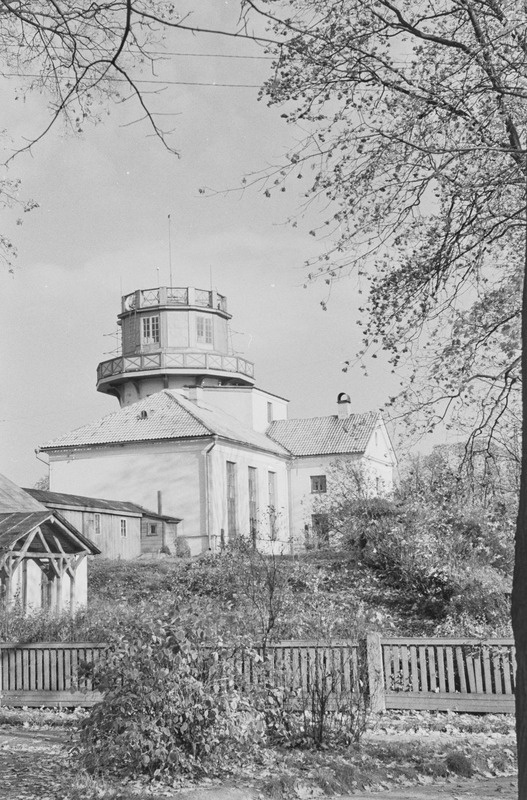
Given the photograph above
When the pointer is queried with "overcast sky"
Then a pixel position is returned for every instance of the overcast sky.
(101, 229)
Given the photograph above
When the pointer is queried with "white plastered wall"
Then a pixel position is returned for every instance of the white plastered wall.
(247, 404)
(378, 464)
(135, 473)
(264, 463)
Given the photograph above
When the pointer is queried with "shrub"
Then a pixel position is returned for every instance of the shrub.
(182, 548)
(169, 703)
(94, 624)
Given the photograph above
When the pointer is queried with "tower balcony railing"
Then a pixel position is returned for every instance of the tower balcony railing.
(187, 361)
(174, 296)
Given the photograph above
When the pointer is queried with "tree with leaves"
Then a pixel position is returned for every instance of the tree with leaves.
(413, 118)
(86, 56)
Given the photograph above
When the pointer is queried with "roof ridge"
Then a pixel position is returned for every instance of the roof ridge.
(281, 444)
(188, 410)
(328, 416)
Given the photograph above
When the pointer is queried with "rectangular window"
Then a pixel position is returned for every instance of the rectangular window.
(271, 484)
(204, 330)
(231, 500)
(151, 529)
(320, 527)
(150, 330)
(269, 412)
(124, 531)
(318, 484)
(97, 524)
(253, 504)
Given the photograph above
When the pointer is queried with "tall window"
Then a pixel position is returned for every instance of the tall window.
(320, 527)
(231, 500)
(269, 412)
(204, 330)
(124, 530)
(150, 330)
(318, 484)
(271, 484)
(253, 504)
(97, 524)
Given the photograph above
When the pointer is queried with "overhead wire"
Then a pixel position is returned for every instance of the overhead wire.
(149, 81)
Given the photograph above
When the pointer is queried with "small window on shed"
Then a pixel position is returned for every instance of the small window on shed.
(124, 530)
(97, 524)
(151, 529)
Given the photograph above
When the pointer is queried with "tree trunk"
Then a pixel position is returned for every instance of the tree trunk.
(519, 583)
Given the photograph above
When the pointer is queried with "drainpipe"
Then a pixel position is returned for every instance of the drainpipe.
(208, 490)
(160, 511)
(37, 456)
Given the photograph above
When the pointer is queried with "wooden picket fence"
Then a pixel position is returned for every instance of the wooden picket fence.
(301, 667)
(47, 674)
(399, 673)
(442, 674)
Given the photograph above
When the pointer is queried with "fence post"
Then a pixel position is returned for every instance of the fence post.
(375, 673)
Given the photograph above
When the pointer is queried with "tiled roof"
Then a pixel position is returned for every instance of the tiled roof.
(164, 415)
(163, 419)
(324, 435)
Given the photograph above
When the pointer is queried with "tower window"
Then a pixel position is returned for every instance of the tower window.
(150, 330)
(318, 484)
(269, 412)
(204, 330)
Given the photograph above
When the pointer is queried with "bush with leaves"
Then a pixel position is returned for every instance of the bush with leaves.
(169, 702)
(441, 546)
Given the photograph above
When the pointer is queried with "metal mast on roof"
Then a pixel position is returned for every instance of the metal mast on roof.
(170, 249)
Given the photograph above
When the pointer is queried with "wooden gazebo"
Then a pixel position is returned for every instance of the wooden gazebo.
(43, 557)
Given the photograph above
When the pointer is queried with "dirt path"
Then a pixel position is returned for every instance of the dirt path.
(32, 764)
(473, 789)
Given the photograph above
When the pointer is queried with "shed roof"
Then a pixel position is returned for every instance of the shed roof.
(48, 498)
(164, 415)
(325, 435)
(15, 499)
(20, 513)
(62, 500)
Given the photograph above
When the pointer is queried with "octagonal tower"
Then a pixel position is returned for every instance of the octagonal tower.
(172, 337)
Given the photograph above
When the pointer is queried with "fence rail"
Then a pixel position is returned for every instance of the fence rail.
(401, 673)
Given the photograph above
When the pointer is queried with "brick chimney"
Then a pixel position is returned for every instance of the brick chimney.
(343, 405)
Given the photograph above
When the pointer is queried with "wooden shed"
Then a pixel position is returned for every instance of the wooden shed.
(43, 557)
(120, 529)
